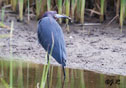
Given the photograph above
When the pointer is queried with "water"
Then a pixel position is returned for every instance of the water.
(28, 75)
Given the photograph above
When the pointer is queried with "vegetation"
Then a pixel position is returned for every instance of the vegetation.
(76, 9)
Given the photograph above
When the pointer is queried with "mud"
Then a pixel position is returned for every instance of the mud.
(97, 48)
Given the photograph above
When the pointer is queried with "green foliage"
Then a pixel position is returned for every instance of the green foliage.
(102, 10)
(48, 5)
(46, 67)
(122, 12)
(60, 8)
(38, 7)
(11, 62)
(3, 14)
(73, 8)
(21, 5)
(82, 11)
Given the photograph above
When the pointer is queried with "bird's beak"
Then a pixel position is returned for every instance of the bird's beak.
(62, 16)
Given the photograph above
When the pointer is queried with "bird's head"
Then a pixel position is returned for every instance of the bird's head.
(54, 15)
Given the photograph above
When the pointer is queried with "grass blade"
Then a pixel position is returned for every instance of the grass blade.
(60, 9)
(11, 62)
(3, 14)
(102, 10)
(82, 11)
(21, 9)
(48, 5)
(122, 10)
(67, 2)
(46, 68)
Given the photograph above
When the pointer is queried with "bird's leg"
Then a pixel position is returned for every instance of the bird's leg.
(48, 70)
(64, 73)
(48, 62)
(47, 58)
(64, 76)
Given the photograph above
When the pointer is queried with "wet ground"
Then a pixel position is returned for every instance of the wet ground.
(97, 48)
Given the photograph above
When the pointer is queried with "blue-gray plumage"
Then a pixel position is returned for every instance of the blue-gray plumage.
(48, 31)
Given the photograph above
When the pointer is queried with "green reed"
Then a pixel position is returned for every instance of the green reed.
(67, 8)
(102, 10)
(73, 8)
(14, 4)
(48, 5)
(11, 62)
(122, 12)
(82, 11)
(21, 4)
(38, 7)
(78, 10)
(60, 9)
(46, 67)
(28, 10)
(3, 14)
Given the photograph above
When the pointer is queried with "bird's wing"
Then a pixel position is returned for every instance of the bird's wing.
(47, 27)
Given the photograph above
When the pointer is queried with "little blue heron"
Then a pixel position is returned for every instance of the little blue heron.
(50, 33)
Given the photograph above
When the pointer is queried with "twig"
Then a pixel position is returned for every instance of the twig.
(90, 24)
(93, 11)
(7, 6)
(112, 20)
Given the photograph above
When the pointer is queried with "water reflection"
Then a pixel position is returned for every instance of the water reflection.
(28, 75)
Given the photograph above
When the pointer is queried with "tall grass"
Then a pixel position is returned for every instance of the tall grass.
(48, 5)
(122, 12)
(46, 67)
(73, 4)
(73, 8)
(38, 7)
(21, 5)
(3, 14)
(11, 52)
(102, 10)
(28, 10)
(14, 5)
(60, 9)
(67, 7)
(82, 11)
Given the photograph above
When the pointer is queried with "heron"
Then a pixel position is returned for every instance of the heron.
(50, 33)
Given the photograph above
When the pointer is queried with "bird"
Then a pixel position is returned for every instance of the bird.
(50, 34)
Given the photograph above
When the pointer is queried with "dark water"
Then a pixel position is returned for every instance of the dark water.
(29, 75)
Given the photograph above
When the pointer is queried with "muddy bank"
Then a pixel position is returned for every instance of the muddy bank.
(96, 48)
